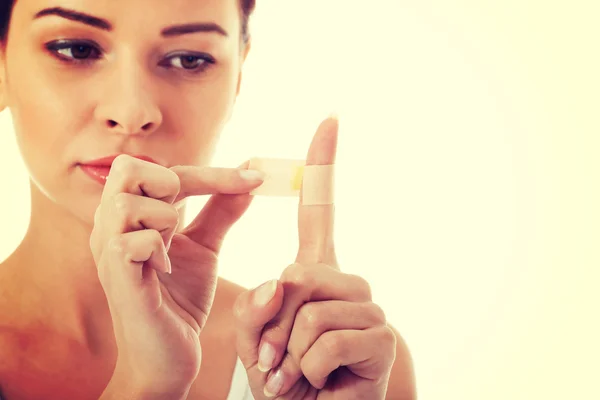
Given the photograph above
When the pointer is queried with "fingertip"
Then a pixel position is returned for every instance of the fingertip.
(323, 147)
(252, 176)
(266, 357)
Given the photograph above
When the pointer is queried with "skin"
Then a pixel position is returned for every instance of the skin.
(127, 101)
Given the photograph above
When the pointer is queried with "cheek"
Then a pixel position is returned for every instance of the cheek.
(200, 117)
(44, 115)
(44, 107)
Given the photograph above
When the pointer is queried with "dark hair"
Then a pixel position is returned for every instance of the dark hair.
(6, 6)
(5, 12)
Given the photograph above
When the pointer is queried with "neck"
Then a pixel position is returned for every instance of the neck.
(59, 275)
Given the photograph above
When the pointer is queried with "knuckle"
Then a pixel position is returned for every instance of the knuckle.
(117, 246)
(299, 275)
(289, 272)
(174, 182)
(363, 287)
(331, 344)
(114, 254)
(388, 337)
(389, 344)
(123, 165)
(309, 316)
(123, 204)
(376, 312)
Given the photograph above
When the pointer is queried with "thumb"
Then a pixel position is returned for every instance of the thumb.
(215, 220)
(253, 310)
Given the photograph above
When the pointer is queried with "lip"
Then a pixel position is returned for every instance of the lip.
(108, 161)
(99, 169)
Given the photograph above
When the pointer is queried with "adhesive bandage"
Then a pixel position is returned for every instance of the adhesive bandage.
(285, 177)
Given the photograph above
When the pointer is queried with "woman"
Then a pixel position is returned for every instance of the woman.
(117, 107)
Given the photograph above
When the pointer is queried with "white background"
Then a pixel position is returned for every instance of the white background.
(467, 186)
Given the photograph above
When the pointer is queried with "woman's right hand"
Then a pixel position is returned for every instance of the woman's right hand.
(158, 315)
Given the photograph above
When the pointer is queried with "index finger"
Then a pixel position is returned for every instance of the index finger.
(315, 221)
(197, 181)
(139, 177)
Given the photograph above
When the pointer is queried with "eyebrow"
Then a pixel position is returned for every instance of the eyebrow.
(75, 16)
(100, 23)
(177, 30)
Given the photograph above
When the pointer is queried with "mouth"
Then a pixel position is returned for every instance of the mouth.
(99, 169)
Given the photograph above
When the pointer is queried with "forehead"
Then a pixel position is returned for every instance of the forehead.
(142, 14)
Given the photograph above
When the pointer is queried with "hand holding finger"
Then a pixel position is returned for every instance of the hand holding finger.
(313, 320)
(304, 285)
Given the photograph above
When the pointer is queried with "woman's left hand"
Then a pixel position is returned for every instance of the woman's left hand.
(315, 333)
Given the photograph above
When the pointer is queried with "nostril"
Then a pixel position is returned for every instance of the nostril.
(113, 124)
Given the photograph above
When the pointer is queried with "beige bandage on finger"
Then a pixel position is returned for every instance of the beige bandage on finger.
(318, 185)
(285, 177)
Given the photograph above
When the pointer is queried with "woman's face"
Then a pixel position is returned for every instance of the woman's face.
(86, 79)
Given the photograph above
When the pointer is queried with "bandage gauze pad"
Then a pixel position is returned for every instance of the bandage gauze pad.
(284, 177)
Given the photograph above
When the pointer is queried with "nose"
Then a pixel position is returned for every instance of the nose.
(127, 105)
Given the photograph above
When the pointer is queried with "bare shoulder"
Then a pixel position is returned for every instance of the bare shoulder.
(8, 308)
(12, 341)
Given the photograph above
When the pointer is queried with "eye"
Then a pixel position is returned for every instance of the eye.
(74, 51)
(189, 62)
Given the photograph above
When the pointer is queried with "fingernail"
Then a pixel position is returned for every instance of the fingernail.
(266, 357)
(252, 175)
(264, 294)
(274, 384)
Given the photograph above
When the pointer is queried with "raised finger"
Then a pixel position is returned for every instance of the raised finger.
(315, 221)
